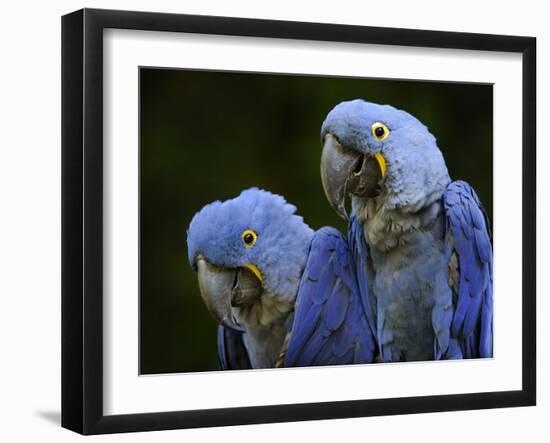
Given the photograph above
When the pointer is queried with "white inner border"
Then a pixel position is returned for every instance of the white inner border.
(126, 392)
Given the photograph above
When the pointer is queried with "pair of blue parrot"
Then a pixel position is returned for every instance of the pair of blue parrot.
(411, 281)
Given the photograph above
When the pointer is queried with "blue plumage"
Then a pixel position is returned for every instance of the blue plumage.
(360, 256)
(330, 326)
(283, 237)
(421, 243)
(232, 352)
(309, 311)
(468, 236)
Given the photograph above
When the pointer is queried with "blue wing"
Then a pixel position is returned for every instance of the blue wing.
(468, 242)
(231, 349)
(360, 254)
(330, 325)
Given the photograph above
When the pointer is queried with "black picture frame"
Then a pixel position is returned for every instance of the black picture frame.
(82, 220)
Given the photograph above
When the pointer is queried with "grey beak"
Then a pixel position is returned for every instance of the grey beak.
(344, 170)
(222, 289)
(337, 164)
(216, 286)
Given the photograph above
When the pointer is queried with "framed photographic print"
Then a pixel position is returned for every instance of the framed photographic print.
(269, 221)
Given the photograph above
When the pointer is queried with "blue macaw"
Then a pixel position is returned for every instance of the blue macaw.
(283, 294)
(421, 243)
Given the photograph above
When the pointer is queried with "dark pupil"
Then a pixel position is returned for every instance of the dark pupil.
(248, 238)
(379, 132)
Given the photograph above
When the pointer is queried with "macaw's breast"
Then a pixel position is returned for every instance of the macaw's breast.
(409, 280)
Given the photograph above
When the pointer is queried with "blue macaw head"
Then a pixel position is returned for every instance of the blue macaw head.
(249, 247)
(378, 151)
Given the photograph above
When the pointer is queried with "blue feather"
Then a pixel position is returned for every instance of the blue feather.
(231, 350)
(472, 323)
(337, 306)
(328, 321)
(360, 255)
(330, 325)
(416, 225)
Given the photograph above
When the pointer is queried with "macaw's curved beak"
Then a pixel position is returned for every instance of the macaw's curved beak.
(344, 170)
(223, 289)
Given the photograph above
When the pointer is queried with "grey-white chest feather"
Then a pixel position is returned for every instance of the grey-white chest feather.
(408, 278)
(266, 327)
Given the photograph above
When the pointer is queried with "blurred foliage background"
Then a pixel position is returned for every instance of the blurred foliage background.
(206, 136)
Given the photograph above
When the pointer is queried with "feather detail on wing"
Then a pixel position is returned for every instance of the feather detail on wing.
(468, 242)
(360, 256)
(330, 325)
(231, 349)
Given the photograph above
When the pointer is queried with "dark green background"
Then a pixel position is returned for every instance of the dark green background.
(208, 135)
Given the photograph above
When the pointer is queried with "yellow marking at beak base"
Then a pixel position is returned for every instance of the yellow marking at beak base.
(255, 270)
(381, 162)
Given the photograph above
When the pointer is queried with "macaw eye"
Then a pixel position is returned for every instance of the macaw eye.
(249, 238)
(380, 131)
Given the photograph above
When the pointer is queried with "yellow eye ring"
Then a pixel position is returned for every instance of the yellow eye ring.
(249, 238)
(380, 131)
